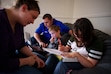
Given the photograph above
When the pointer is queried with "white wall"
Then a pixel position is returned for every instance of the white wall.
(60, 9)
(98, 11)
(7, 3)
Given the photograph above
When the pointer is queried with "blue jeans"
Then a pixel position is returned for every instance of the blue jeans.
(51, 63)
(64, 67)
(25, 70)
(54, 66)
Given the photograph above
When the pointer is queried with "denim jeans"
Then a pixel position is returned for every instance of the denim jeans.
(55, 66)
(64, 67)
(51, 63)
(25, 70)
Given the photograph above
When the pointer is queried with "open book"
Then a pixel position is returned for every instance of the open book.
(57, 52)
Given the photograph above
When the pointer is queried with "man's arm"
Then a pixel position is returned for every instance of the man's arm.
(37, 37)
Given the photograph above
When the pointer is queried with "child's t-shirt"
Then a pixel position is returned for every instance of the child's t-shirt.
(81, 50)
(75, 48)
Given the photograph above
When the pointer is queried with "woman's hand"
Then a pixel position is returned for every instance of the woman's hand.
(27, 61)
(69, 54)
(40, 62)
(31, 60)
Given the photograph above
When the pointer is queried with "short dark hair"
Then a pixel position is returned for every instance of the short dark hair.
(86, 28)
(32, 4)
(49, 16)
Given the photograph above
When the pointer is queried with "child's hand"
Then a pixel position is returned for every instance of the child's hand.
(64, 48)
(52, 40)
(61, 47)
(70, 54)
(59, 42)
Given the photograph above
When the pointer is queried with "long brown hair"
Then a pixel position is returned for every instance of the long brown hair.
(86, 28)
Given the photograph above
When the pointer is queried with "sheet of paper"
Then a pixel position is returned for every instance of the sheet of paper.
(57, 52)
(53, 51)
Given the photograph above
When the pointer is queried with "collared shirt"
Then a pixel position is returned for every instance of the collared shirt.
(42, 30)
